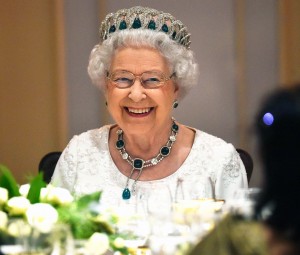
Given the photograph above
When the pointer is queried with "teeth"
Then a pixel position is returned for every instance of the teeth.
(143, 110)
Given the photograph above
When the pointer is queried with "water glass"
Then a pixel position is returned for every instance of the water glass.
(196, 187)
(159, 201)
(243, 202)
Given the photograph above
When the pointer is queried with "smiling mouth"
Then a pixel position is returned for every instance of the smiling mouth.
(140, 111)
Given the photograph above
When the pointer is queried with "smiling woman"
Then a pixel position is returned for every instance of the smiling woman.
(144, 66)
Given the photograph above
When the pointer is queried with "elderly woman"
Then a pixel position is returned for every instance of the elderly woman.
(144, 66)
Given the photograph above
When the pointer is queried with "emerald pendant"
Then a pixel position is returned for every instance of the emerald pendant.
(139, 164)
(126, 194)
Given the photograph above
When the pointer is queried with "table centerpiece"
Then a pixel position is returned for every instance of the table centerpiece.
(34, 212)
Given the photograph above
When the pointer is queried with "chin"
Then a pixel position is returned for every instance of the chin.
(138, 128)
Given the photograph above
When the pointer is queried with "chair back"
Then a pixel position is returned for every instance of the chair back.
(247, 161)
(48, 164)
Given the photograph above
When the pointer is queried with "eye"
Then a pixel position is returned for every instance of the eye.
(152, 80)
(122, 80)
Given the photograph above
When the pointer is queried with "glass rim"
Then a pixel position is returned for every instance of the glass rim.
(109, 76)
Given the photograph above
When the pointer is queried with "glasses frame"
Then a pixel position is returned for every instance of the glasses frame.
(162, 83)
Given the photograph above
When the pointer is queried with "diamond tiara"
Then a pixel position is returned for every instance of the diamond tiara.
(146, 18)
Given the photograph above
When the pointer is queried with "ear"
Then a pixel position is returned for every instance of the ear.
(176, 90)
(105, 94)
(105, 89)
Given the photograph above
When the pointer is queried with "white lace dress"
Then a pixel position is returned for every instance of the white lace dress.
(86, 166)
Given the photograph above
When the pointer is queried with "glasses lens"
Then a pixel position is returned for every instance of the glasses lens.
(122, 79)
(152, 79)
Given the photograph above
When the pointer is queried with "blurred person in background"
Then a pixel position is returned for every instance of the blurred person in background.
(275, 230)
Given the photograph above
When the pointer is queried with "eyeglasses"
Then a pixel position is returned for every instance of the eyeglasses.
(149, 80)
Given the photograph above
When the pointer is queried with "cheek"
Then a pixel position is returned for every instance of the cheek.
(114, 100)
(111, 95)
(169, 95)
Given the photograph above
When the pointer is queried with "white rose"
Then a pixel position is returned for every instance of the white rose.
(42, 216)
(44, 192)
(17, 205)
(97, 244)
(3, 196)
(56, 195)
(3, 220)
(24, 189)
(119, 242)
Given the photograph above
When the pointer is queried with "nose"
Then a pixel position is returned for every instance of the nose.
(137, 91)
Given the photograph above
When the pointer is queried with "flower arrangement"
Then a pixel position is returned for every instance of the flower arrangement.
(43, 206)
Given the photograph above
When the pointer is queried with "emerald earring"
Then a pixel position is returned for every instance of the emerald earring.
(175, 104)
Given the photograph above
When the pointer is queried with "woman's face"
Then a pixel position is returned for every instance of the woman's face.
(136, 109)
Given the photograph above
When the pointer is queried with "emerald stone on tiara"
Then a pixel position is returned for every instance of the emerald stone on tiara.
(145, 18)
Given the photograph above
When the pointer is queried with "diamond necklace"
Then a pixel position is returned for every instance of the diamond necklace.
(139, 164)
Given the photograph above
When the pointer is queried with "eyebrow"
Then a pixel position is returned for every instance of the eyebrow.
(123, 70)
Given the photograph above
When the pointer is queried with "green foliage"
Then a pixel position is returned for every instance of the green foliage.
(104, 226)
(86, 200)
(36, 184)
(79, 221)
(82, 219)
(8, 181)
(81, 215)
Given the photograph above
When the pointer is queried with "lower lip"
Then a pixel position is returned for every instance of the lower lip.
(138, 115)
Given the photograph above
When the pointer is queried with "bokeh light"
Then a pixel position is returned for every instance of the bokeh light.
(268, 119)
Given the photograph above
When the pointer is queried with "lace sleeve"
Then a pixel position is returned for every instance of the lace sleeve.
(65, 171)
(232, 175)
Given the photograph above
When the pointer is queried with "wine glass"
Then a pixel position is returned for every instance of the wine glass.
(11, 239)
(26, 239)
(133, 222)
(196, 187)
(159, 201)
(165, 234)
(194, 204)
(243, 201)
